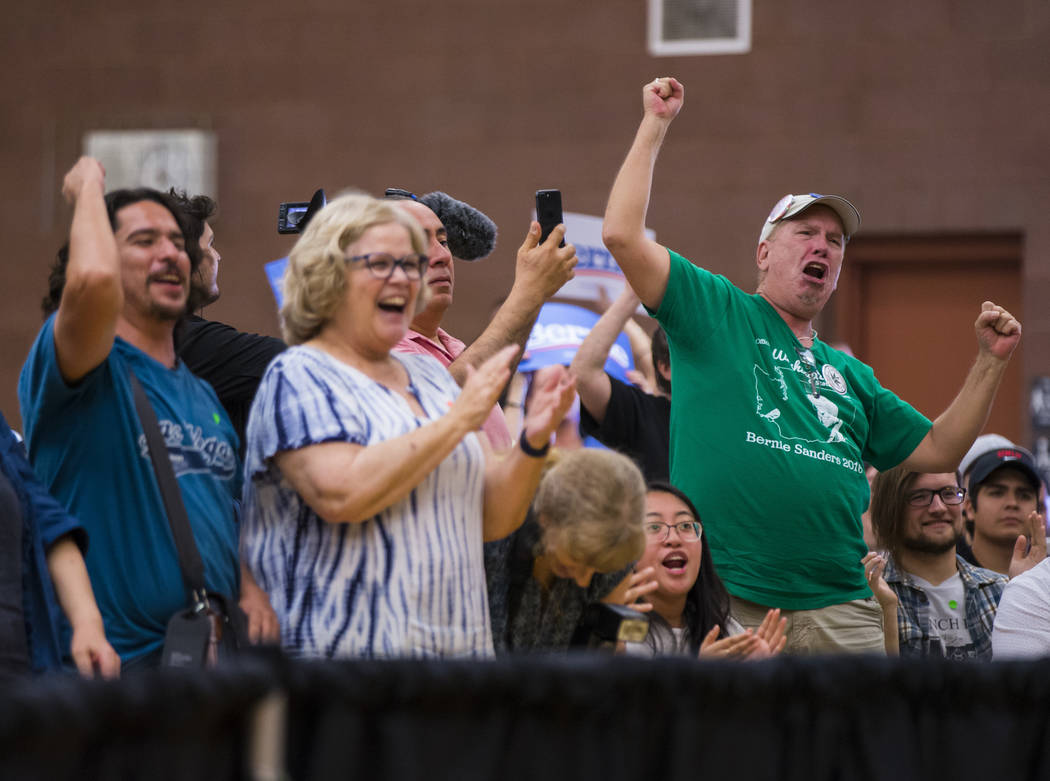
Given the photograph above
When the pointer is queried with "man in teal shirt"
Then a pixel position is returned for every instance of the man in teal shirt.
(117, 292)
(770, 427)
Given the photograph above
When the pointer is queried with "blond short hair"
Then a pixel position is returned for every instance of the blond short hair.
(314, 282)
(592, 503)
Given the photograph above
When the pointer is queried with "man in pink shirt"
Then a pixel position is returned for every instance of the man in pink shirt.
(539, 273)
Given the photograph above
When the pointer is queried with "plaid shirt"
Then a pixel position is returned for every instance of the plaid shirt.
(983, 589)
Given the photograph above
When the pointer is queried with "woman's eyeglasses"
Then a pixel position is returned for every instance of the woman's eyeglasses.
(688, 531)
(382, 264)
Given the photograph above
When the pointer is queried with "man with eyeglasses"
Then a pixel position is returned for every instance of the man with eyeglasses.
(770, 427)
(540, 272)
(946, 606)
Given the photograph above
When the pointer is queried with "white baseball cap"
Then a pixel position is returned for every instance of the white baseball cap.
(790, 205)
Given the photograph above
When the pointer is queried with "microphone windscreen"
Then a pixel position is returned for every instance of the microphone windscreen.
(471, 234)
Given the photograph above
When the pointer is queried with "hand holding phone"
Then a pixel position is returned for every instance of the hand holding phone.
(548, 212)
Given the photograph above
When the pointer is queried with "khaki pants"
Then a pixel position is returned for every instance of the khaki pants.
(852, 627)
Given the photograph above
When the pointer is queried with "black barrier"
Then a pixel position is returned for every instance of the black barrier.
(573, 718)
(175, 724)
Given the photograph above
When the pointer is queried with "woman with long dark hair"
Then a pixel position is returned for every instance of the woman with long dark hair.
(690, 606)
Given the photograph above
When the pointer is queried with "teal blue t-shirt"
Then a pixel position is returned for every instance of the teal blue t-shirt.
(769, 441)
(87, 446)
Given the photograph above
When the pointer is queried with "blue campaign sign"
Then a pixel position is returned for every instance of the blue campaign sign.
(274, 273)
(558, 333)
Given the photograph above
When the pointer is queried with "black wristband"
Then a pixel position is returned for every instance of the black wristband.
(531, 451)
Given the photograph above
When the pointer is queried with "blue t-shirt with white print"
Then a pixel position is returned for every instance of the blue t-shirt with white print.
(87, 445)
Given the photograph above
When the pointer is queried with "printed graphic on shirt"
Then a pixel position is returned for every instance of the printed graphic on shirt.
(193, 453)
(946, 618)
(954, 636)
(786, 422)
(828, 414)
(947, 625)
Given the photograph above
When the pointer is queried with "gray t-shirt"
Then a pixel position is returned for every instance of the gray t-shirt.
(947, 616)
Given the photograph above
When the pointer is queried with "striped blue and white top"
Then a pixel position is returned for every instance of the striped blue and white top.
(409, 581)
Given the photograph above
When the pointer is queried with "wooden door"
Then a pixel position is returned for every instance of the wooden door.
(907, 305)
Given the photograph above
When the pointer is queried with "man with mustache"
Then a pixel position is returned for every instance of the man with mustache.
(115, 294)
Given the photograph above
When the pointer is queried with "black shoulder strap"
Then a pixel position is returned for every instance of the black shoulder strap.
(185, 546)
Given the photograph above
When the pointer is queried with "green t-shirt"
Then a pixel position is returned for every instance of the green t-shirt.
(776, 471)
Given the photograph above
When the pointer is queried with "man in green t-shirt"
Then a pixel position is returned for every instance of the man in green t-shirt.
(770, 427)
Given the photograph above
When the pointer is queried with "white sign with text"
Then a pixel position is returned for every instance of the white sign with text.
(596, 269)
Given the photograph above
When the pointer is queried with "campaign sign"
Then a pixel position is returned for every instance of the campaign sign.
(558, 333)
(595, 268)
(275, 273)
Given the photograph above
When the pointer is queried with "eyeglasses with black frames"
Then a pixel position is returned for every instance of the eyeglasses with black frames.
(688, 531)
(382, 264)
(950, 494)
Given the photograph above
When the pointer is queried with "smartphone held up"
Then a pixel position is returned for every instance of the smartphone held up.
(548, 212)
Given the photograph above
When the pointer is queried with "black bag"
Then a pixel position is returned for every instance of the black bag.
(212, 628)
(204, 635)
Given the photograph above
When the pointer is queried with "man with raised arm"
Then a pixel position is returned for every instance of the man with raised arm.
(116, 292)
(770, 427)
(621, 416)
(539, 273)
